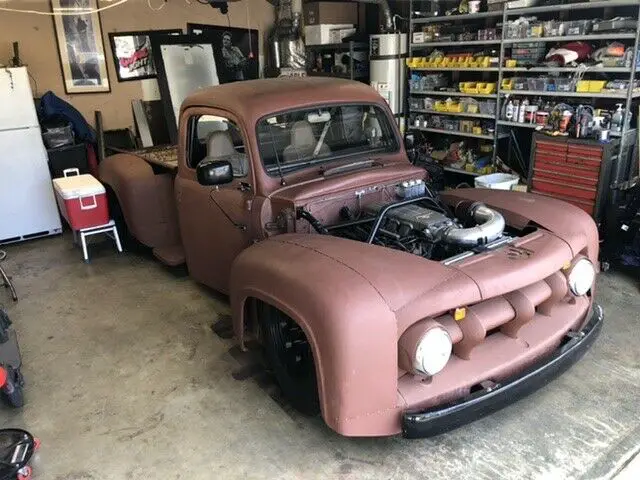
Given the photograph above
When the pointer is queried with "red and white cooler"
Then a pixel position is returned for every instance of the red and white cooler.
(82, 200)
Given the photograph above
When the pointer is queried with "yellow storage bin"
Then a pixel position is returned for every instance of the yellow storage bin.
(596, 86)
(484, 62)
(511, 64)
(486, 88)
(507, 84)
(455, 107)
(583, 86)
(440, 106)
(468, 87)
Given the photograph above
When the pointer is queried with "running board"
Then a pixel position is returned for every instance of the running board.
(171, 255)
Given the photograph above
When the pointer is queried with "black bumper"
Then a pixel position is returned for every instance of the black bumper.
(443, 418)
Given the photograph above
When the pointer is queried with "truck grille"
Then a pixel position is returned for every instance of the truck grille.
(505, 314)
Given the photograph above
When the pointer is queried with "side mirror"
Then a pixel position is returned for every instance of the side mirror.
(214, 172)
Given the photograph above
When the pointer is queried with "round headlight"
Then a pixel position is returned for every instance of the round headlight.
(433, 351)
(581, 277)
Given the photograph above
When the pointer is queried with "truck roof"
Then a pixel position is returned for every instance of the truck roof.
(254, 99)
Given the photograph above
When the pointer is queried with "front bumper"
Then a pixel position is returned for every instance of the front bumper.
(443, 418)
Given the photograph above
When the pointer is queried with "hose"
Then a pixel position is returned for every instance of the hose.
(490, 226)
(313, 221)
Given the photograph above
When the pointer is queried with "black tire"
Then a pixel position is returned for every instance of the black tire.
(289, 354)
(128, 241)
(15, 398)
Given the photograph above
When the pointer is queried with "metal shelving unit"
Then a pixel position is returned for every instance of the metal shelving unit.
(542, 93)
(573, 38)
(445, 69)
(468, 43)
(453, 132)
(503, 16)
(460, 170)
(452, 94)
(506, 123)
(455, 114)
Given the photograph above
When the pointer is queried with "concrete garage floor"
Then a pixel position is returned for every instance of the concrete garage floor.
(126, 379)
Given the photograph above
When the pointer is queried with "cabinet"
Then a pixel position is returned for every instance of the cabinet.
(577, 171)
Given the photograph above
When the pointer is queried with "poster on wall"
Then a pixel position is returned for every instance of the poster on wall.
(236, 50)
(79, 37)
(132, 54)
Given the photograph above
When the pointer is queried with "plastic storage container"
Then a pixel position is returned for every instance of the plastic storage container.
(82, 200)
(564, 84)
(497, 181)
(577, 27)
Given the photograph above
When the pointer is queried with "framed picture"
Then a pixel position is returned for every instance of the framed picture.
(185, 64)
(79, 37)
(132, 54)
(236, 50)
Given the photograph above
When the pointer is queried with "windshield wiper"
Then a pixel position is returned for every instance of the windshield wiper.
(351, 166)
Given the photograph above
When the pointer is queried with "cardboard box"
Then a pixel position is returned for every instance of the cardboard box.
(322, 34)
(339, 34)
(316, 13)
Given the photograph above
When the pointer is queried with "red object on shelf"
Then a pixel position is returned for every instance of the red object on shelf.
(82, 200)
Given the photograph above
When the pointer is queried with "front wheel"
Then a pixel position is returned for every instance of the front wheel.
(289, 354)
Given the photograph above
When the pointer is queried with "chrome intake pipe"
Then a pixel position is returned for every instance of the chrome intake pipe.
(490, 226)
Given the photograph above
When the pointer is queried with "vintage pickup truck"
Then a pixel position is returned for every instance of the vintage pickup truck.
(379, 303)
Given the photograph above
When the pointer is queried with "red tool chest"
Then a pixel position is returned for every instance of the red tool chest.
(577, 171)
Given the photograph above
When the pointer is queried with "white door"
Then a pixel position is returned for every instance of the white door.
(17, 109)
(27, 202)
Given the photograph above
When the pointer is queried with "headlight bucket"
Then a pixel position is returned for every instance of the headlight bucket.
(424, 348)
(581, 276)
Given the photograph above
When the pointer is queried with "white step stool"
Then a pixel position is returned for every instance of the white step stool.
(109, 228)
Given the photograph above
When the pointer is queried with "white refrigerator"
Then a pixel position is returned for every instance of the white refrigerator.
(27, 203)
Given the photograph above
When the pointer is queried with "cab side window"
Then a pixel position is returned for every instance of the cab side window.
(217, 138)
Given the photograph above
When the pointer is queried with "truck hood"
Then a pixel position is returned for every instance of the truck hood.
(568, 222)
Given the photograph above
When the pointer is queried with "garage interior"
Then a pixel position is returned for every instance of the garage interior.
(129, 365)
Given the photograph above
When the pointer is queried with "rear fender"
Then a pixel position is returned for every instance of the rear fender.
(146, 199)
(350, 327)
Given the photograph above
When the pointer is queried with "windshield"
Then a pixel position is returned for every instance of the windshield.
(301, 138)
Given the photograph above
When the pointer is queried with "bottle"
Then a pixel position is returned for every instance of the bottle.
(617, 120)
(523, 109)
(509, 112)
(516, 110)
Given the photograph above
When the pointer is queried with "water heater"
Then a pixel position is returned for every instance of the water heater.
(387, 54)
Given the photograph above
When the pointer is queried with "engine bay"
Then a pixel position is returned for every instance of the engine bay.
(418, 222)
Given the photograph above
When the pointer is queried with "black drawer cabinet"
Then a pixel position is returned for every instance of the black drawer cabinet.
(70, 156)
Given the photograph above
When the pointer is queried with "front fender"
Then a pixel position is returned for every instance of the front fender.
(344, 295)
(351, 329)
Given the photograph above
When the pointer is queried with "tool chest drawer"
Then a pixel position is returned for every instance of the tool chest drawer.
(586, 205)
(542, 172)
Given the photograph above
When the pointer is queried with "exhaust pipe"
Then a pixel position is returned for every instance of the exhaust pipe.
(490, 226)
(387, 16)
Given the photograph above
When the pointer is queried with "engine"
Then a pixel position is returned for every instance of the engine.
(419, 223)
